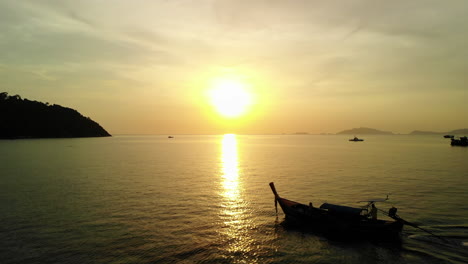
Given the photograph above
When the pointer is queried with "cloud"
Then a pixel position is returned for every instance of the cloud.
(59, 46)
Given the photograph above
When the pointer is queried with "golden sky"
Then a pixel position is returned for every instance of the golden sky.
(150, 67)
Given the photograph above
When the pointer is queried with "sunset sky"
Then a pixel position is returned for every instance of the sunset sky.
(157, 67)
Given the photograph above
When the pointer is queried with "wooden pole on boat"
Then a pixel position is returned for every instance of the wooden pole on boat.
(396, 217)
(276, 205)
(272, 186)
(427, 231)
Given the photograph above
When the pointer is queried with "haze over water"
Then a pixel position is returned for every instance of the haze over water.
(206, 199)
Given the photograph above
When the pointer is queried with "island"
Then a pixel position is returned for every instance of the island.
(364, 131)
(22, 118)
(420, 132)
(463, 131)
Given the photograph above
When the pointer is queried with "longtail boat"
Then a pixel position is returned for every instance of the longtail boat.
(462, 141)
(341, 220)
(356, 139)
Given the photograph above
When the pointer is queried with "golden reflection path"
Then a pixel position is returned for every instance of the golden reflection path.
(230, 169)
(236, 221)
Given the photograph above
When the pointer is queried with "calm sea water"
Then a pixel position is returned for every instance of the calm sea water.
(206, 199)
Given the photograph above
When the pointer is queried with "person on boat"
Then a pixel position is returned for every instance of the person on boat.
(373, 212)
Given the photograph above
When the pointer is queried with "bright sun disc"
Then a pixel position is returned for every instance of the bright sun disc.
(230, 97)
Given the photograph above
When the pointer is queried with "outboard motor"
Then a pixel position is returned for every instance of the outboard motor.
(392, 212)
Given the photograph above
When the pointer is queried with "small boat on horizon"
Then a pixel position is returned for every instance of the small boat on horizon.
(342, 220)
(356, 139)
(448, 136)
(170, 137)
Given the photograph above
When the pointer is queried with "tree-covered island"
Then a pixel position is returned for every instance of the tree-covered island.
(22, 118)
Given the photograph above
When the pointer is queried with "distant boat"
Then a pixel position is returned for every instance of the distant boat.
(448, 136)
(170, 137)
(462, 141)
(341, 220)
(356, 139)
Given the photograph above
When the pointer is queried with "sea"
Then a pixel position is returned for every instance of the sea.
(206, 198)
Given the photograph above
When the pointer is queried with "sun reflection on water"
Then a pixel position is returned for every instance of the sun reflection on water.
(230, 167)
(236, 221)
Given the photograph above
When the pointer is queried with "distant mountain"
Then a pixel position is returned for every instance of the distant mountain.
(419, 132)
(463, 131)
(22, 118)
(364, 131)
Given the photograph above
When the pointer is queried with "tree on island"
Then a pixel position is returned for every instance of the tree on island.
(22, 118)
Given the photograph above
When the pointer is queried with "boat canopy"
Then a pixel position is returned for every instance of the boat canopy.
(341, 209)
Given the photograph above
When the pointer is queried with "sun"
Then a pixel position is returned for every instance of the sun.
(230, 97)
